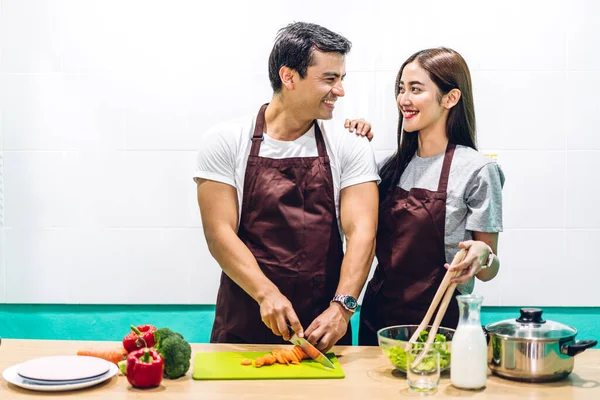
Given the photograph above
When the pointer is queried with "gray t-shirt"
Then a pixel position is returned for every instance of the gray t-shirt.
(474, 201)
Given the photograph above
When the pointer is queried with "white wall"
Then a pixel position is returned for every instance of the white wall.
(102, 104)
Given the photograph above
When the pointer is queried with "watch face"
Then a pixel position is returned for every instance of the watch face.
(350, 302)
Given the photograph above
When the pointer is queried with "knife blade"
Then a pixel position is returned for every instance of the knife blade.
(311, 350)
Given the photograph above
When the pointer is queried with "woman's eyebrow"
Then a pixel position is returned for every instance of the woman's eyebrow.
(412, 83)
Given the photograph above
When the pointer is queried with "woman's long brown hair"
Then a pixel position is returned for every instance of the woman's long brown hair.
(448, 70)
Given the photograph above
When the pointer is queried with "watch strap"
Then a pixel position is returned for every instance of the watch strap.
(340, 298)
(490, 259)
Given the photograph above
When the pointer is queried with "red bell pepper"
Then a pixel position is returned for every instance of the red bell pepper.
(142, 336)
(145, 368)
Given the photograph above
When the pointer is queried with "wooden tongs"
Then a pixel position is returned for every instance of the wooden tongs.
(447, 290)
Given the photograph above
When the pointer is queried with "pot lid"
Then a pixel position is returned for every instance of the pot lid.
(531, 325)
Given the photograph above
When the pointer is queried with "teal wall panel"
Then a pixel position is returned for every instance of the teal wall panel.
(111, 322)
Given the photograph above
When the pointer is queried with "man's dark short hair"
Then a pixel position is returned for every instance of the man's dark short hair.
(294, 47)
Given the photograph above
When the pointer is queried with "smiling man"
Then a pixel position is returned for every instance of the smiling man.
(277, 195)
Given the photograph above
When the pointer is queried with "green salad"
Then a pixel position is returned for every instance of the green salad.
(398, 356)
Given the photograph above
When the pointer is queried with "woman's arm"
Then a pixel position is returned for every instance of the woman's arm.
(491, 239)
(477, 257)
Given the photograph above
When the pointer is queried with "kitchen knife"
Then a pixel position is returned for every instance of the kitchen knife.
(310, 350)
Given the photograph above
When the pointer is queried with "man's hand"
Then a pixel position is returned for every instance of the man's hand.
(276, 311)
(329, 327)
(362, 127)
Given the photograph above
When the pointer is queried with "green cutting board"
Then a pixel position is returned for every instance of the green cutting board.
(227, 365)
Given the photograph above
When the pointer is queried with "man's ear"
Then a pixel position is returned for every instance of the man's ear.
(451, 99)
(288, 77)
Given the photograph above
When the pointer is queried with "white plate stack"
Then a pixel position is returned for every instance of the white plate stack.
(59, 373)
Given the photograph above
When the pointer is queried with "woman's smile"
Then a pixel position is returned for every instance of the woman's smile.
(408, 114)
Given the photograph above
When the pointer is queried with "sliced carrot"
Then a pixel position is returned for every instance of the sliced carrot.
(298, 357)
(269, 359)
(113, 355)
(315, 352)
(294, 358)
(279, 357)
(300, 353)
(259, 362)
(288, 355)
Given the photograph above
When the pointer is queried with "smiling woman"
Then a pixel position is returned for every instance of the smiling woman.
(437, 195)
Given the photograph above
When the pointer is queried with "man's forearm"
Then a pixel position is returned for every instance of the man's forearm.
(360, 250)
(358, 214)
(238, 263)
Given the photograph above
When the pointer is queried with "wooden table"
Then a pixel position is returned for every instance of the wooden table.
(369, 375)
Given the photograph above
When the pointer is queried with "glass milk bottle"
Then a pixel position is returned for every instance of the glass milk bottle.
(468, 362)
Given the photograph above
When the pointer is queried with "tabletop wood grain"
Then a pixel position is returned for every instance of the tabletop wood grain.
(369, 375)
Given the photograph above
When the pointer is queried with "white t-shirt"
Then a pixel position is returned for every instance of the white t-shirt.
(226, 147)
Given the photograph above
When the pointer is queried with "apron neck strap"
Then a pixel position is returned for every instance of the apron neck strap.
(321, 149)
(443, 184)
(257, 137)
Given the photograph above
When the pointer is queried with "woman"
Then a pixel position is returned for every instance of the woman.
(437, 195)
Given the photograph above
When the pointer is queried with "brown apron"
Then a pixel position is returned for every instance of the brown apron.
(289, 223)
(411, 257)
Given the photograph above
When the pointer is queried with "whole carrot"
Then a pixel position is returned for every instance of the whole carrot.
(113, 355)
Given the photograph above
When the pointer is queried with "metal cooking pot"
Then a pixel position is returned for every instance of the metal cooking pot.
(532, 349)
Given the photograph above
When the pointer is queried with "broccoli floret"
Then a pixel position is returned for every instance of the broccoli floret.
(175, 351)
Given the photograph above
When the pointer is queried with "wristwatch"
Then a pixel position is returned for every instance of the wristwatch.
(348, 302)
(490, 260)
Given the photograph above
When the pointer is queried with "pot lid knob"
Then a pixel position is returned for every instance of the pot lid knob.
(531, 316)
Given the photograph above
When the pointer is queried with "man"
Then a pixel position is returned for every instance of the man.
(276, 191)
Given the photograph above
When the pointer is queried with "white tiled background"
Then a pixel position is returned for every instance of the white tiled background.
(102, 104)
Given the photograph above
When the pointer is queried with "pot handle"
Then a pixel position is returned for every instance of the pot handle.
(486, 334)
(577, 347)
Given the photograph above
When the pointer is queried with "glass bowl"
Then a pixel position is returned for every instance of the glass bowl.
(393, 340)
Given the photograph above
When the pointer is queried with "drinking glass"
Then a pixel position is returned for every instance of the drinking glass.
(424, 375)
